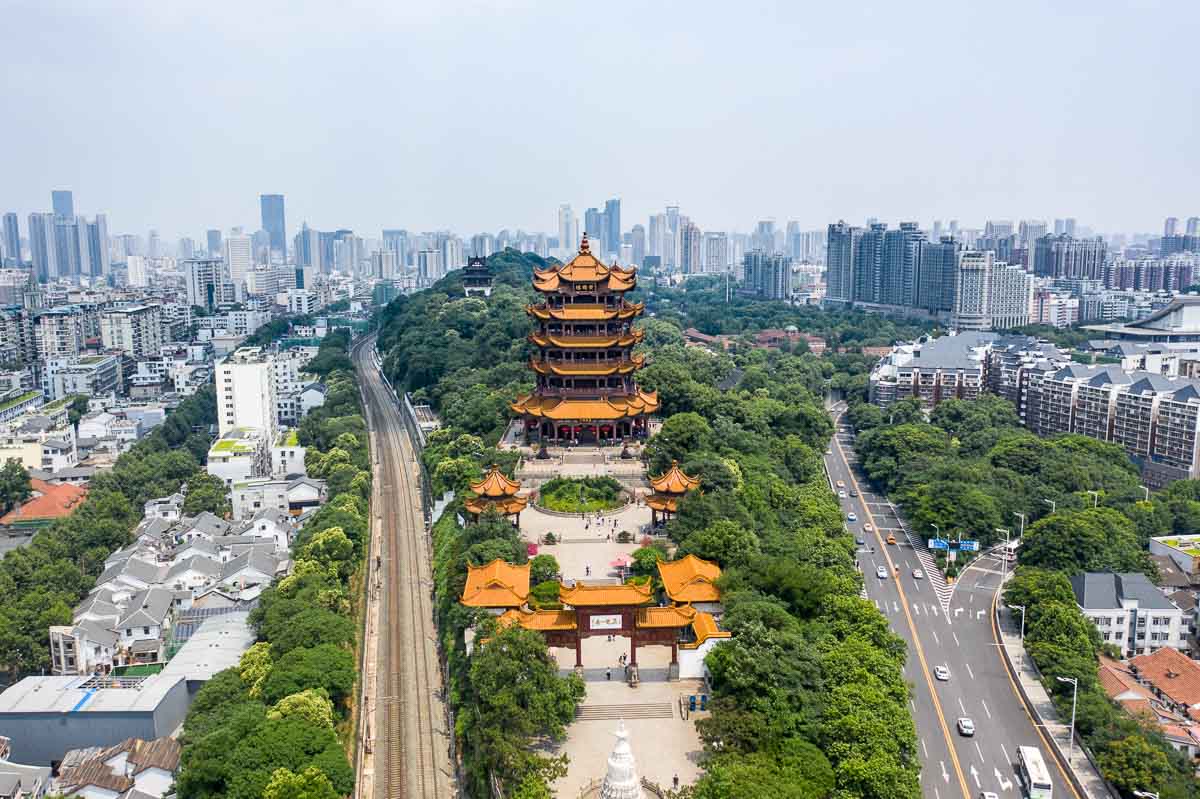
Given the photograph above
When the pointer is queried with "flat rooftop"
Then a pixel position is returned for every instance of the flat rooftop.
(86, 694)
(216, 646)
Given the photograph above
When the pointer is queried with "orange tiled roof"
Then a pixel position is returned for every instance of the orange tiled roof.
(49, 501)
(539, 619)
(663, 503)
(690, 579)
(580, 596)
(588, 342)
(495, 484)
(585, 312)
(585, 268)
(609, 408)
(674, 481)
(496, 585)
(575, 368)
(705, 627)
(1173, 673)
(505, 507)
(674, 616)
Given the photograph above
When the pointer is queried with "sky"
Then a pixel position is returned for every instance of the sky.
(477, 116)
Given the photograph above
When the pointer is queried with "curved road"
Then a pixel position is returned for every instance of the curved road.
(944, 627)
(410, 744)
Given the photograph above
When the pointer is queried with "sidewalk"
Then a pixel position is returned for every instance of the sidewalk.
(1087, 775)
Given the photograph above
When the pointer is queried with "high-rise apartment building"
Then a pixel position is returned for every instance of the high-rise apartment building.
(568, 231)
(98, 250)
(43, 249)
(768, 275)
(1066, 256)
(204, 278)
(429, 267)
(214, 247)
(691, 259)
(637, 241)
(246, 392)
(186, 248)
(1030, 230)
(154, 248)
(868, 266)
(596, 228)
(841, 255)
(274, 222)
(1192, 229)
(239, 257)
(135, 271)
(898, 268)
(454, 255)
(716, 252)
(136, 330)
(1171, 226)
(998, 228)
(972, 291)
(12, 240)
(63, 203)
(60, 333)
(1010, 296)
(483, 245)
(612, 225)
(935, 280)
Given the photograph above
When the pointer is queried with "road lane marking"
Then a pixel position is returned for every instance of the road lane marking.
(980, 751)
(925, 748)
(916, 609)
(1007, 759)
(968, 665)
(964, 707)
(955, 637)
(975, 775)
(935, 638)
(985, 708)
(937, 705)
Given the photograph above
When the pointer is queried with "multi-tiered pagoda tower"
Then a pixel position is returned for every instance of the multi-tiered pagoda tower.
(585, 362)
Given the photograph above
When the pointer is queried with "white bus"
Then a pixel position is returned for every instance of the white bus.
(1009, 551)
(1034, 773)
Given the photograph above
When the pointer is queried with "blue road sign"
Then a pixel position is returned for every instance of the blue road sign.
(938, 543)
(968, 546)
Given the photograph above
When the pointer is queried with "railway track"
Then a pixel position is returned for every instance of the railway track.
(411, 745)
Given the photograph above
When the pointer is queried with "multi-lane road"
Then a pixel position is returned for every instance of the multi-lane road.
(409, 741)
(950, 626)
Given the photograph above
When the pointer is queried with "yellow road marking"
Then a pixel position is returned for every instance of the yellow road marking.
(937, 705)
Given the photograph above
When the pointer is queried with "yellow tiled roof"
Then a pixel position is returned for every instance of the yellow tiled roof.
(610, 408)
(496, 585)
(674, 481)
(666, 617)
(539, 619)
(506, 506)
(663, 503)
(705, 627)
(584, 312)
(585, 268)
(575, 368)
(587, 342)
(690, 579)
(495, 484)
(581, 596)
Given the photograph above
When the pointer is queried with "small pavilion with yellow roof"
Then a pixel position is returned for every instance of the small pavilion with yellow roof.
(669, 488)
(498, 587)
(498, 492)
(687, 625)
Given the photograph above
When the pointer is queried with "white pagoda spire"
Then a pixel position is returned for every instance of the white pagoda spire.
(621, 780)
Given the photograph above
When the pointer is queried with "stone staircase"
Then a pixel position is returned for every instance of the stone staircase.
(648, 710)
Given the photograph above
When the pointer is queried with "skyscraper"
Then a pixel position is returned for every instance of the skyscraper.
(596, 228)
(972, 291)
(841, 254)
(1171, 226)
(239, 257)
(637, 240)
(690, 257)
(1193, 226)
(868, 266)
(767, 275)
(97, 245)
(307, 246)
(764, 236)
(935, 279)
(1064, 256)
(898, 279)
(187, 248)
(1030, 230)
(43, 248)
(612, 221)
(214, 246)
(568, 231)
(12, 240)
(716, 252)
(64, 204)
(1011, 294)
(654, 242)
(274, 223)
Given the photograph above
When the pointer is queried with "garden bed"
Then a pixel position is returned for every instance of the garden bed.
(581, 495)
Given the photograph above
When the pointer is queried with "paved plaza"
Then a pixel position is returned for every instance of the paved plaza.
(664, 744)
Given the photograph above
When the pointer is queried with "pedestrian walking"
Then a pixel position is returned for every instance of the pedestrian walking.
(608, 674)
(675, 781)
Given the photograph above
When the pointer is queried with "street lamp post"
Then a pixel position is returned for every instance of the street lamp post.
(1021, 652)
(1021, 516)
(1053, 506)
(1004, 555)
(1074, 682)
(1095, 498)
(1147, 493)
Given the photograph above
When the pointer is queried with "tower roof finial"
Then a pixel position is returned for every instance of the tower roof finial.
(583, 245)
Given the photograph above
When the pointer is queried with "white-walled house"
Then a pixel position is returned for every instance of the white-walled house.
(1130, 611)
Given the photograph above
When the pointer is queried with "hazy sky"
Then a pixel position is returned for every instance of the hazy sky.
(478, 116)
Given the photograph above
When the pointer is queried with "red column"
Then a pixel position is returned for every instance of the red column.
(633, 648)
(578, 651)
(674, 654)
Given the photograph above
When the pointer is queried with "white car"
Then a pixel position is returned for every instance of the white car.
(851, 517)
(918, 574)
(966, 727)
(881, 572)
(841, 495)
(942, 673)
(988, 795)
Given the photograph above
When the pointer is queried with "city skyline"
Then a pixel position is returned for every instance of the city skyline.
(481, 134)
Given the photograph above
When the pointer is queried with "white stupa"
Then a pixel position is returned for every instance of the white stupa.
(621, 780)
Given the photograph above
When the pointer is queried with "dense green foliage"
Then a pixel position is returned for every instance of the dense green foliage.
(14, 485)
(270, 726)
(45, 580)
(580, 494)
(809, 699)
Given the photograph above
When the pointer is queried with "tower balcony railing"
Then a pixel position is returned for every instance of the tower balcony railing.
(584, 393)
(597, 363)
